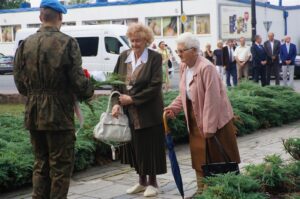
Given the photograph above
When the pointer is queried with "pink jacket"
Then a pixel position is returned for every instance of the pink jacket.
(210, 102)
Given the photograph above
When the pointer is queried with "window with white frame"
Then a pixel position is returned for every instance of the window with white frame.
(171, 26)
(69, 23)
(114, 21)
(8, 33)
(203, 24)
(34, 25)
(155, 25)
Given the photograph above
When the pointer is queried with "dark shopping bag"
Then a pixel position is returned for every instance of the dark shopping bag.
(211, 169)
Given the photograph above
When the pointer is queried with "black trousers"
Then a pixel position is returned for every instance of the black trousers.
(260, 74)
(53, 165)
(273, 67)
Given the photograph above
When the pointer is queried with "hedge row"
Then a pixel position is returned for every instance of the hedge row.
(255, 107)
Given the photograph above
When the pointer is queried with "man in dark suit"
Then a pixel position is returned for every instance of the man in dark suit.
(229, 63)
(259, 61)
(288, 54)
(272, 47)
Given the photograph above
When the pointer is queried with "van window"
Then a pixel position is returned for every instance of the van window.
(112, 45)
(88, 46)
(125, 39)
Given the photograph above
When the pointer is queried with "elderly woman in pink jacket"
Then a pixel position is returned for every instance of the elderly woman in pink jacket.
(207, 109)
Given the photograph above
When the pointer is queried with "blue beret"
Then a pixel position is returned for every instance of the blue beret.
(55, 5)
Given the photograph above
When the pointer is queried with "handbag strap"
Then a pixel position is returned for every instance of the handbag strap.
(109, 107)
(221, 149)
(207, 152)
(113, 147)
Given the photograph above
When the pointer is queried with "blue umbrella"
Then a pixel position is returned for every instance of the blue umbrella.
(173, 158)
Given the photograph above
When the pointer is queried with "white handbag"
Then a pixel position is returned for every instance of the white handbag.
(111, 129)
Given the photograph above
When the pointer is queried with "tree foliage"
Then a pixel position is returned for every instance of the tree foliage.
(10, 4)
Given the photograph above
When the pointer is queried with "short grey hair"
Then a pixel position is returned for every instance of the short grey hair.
(256, 37)
(189, 40)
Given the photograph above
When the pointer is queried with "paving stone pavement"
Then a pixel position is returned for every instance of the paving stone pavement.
(112, 180)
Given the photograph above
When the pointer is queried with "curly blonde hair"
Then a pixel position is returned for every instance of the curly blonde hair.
(141, 30)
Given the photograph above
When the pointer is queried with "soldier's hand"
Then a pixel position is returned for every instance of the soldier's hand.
(116, 110)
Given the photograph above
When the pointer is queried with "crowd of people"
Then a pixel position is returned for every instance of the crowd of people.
(234, 61)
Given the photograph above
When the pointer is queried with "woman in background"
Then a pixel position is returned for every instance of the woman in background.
(208, 54)
(165, 68)
(218, 54)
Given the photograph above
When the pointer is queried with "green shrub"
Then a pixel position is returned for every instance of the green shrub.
(262, 107)
(275, 176)
(292, 146)
(293, 173)
(16, 156)
(178, 125)
(16, 159)
(254, 107)
(231, 186)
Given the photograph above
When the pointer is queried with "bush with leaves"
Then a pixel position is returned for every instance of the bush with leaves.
(275, 176)
(254, 106)
(292, 146)
(231, 186)
(16, 156)
(263, 107)
(16, 159)
(177, 125)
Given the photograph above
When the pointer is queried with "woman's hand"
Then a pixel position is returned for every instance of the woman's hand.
(169, 113)
(116, 110)
(125, 100)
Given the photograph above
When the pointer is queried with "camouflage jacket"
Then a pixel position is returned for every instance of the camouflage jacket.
(47, 69)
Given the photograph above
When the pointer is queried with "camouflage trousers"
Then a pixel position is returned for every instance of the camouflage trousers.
(54, 161)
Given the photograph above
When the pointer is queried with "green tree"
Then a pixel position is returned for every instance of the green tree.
(10, 4)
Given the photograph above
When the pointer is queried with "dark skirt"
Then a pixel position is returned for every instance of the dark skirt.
(226, 135)
(146, 151)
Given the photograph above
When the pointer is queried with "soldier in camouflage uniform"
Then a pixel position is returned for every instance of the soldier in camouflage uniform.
(48, 71)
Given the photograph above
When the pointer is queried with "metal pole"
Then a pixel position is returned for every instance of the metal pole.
(182, 26)
(285, 16)
(253, 19)
(280, 2)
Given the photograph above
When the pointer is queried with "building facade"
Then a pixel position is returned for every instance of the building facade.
(211, 20)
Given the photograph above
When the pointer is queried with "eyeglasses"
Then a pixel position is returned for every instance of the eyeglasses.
(182, 51)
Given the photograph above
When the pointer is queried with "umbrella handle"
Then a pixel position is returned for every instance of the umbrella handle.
(165, 121)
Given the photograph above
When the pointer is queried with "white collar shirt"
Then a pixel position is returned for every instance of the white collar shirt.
(242, 53)
(231, 53)
(141, 60)
(189, 78)
(288, 47)
(272, 46)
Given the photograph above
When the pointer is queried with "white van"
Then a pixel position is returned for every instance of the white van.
(100, 45)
